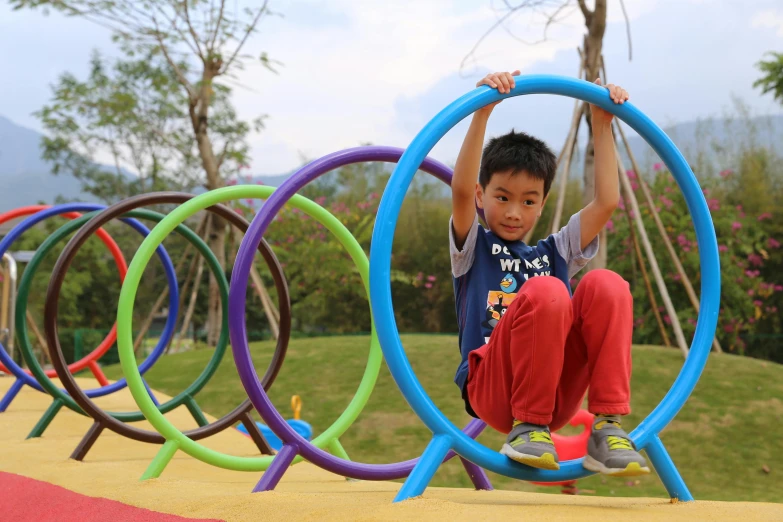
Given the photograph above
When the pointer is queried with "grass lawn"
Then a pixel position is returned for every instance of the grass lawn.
(730, 428)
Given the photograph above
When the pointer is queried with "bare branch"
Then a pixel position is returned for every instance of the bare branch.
(250, 29)
(181, 77)
(217, 25)
(192, 31)
(627, 30)
(585, 11)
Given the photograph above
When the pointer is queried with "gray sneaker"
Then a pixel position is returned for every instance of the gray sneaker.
(532, 445)
(611, 452)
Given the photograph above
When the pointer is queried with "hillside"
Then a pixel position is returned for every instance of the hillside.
(728, 430)
(26, 178)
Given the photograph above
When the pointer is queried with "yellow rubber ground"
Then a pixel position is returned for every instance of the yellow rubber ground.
(191, 488)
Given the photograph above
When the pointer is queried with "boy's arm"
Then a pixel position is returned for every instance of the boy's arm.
(463, 184)
(607, 185)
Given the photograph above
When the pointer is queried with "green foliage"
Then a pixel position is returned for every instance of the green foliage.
(744, 206)
(772, 81)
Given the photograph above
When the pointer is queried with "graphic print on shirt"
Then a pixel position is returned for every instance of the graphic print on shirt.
(498, 301)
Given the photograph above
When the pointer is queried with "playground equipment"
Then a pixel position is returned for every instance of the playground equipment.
(446, 436)
(116, 422)
(8, 304)
(301, 427)
(329, 438)
(39, 213)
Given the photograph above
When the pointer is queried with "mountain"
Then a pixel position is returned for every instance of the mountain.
(25, 178)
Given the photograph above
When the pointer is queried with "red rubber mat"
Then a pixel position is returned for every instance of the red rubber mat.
(27, 500)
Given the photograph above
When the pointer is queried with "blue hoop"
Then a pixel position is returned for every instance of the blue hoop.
(445, 434)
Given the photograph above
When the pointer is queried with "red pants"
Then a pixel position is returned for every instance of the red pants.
(548, 349)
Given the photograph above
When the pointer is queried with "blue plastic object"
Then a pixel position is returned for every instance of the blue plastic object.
(445, 434)
(301, 427)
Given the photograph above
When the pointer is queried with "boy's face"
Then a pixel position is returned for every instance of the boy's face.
(511, 203)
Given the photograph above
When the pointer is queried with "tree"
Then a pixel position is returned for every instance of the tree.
(198, 42)
(773, 79)
(595, 23)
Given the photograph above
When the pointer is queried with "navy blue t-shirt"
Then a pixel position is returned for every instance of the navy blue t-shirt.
(488, 272)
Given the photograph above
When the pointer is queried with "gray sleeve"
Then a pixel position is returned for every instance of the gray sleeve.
(568, 241)
(462, 260)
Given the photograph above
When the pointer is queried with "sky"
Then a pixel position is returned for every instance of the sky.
(372, 71)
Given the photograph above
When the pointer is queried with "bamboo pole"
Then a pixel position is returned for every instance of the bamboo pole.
(576, 119)
(647, 284)
(38, 336)
(159, 302)
(192, 303)
(686, 282)
(667, 302)
(271, 311)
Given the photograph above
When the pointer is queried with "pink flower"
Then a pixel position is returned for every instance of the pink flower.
(676, 277)
(667, 319)
(666, 201)
(736, 226)
(320, 200)
(779, 288)
(691, 321)
(634, 185)
(682, 240)
(658, 166)
(290, 239)
(752, 273)
(757, 303)
(621, 204)
(773, 243)
(755, 260)
(231, 182)
(751, 292)
(728, 328)
(638, 321)
(610, 226)
(726, 173)
(723, 248)
(752, 320)
(427, 285)
(419, 276)
(713, 204)
(374, 195)
(259, 182)
(764, 215)
(631, 174)
(431, 278)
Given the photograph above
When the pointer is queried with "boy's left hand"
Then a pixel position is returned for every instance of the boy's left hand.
(617, 94)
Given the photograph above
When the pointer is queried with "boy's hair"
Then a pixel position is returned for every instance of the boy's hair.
(517, 151)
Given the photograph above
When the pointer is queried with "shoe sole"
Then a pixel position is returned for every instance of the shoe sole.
(545, 461)
(631, 470)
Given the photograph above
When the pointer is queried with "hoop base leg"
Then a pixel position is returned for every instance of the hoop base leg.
(255, 434)
(161, 460)
(194, 410)
(477, 476)
(667, 471)
(11, 394)
(46, 419)
(425, 469)
(98, 373)
(87, 441)
(275, 471)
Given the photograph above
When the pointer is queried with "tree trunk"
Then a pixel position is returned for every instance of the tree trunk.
(595, 21)
(216, 238)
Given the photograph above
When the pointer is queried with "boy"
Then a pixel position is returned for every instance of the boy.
(529, 349)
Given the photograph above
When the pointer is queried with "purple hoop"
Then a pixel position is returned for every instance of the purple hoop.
(293, 443)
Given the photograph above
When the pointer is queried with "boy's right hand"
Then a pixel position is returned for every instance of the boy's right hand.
(502, 81)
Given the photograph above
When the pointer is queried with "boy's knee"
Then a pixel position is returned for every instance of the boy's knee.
(547, 292)
(607, 285)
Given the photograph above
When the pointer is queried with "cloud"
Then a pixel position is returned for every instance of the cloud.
(344, 79)
(769, 18)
